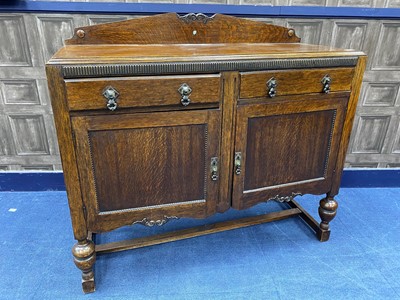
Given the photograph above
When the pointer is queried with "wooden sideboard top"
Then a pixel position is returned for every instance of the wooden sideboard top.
(86, 54)
(189, 38)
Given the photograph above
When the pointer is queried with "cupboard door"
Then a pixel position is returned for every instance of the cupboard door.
(286, 147)
(147, 168)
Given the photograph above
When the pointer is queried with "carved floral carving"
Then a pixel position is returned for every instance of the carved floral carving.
(151, 223)
(283, 199)
(192, 17)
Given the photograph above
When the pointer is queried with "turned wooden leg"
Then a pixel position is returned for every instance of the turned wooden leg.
(84, 258)
(327, 211)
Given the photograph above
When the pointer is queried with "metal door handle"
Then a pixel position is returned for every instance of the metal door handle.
(238, 163)
(214, 168)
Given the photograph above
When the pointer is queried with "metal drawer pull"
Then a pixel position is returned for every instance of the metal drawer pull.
(238, 163)
(214, 168)
(326, 82)
(111, 95)
(272, 84)
(185, 91)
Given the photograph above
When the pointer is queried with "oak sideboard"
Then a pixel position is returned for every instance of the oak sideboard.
(174, 116)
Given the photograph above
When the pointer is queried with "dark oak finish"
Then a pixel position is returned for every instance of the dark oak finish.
(289, 82)
(147, 165)
(195, 231)
(306, 158)
(161, 158)
(230, 94)
(147, 91)
(190, 126)
(83, 251)
(189, 29)
(348, 123)
(287, 146)
(159, 53)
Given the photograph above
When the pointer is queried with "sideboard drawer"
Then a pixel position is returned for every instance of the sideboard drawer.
(292, 82)
(145, 91)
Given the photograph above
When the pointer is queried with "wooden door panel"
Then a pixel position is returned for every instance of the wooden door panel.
(305, 155)
(147, 166)
(287, 146)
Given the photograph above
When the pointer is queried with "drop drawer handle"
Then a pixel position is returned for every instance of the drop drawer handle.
(111, 95)
(185, 90)
(238, 163)
(326, 83)
(271, 85)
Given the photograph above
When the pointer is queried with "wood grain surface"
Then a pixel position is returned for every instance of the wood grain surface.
(294, 82)
(281, 142)
(147, 165)
(138, 168)
(72, 54)
(148, 91)
(229, 105)
(67, 152)
(171, 29)
(287, 148)
(348, 123)
(150, 160)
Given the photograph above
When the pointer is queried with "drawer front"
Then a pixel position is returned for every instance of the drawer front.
(89, 94)
(294, 82)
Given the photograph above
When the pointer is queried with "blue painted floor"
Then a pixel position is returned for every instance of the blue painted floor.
(281, 260)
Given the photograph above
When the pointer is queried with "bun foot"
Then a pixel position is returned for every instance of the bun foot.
(327, 211)
(84, 258)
